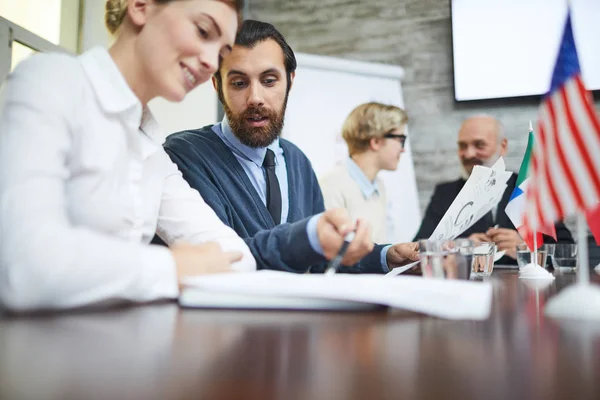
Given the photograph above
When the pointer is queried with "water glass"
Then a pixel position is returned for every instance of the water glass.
(549, 254)
(524, 256)
(459, 260)
(565, 256)
(451, 259)
(483, 258)
(431, 255)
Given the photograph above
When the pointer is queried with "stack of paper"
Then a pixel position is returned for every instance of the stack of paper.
(451, 299)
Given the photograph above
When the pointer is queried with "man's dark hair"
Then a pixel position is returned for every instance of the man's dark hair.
(251, 33)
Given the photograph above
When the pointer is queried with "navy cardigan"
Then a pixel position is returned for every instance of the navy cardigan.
(210, 167)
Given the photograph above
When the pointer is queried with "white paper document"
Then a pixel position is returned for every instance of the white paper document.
(452, 299)
(482, 192)
(399, 270)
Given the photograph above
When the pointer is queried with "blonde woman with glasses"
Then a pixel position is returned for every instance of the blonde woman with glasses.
(375, 136)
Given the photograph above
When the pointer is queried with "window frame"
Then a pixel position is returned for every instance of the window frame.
(10, 33)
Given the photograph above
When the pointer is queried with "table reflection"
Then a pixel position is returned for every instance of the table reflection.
(163, 352)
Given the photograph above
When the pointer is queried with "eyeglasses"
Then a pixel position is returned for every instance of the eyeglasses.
(401, 138)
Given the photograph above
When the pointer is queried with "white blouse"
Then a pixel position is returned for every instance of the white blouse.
(84, 185)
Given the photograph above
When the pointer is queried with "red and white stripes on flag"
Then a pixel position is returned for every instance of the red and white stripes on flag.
(566, 162)
(565, 175)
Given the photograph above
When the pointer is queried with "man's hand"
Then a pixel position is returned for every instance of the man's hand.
(506, 240)
(333, 225)
(401, 254)
(480, 237)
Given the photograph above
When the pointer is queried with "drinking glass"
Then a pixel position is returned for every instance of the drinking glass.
(565, 256)
(483, 258)
(449, 259)
(524, 255)
(430, 255)
(459, 260)
(550, 248)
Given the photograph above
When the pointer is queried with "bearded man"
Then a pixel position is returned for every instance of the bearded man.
(261, 185)
(481, 141)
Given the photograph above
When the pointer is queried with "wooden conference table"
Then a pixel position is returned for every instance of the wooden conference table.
(162, 352)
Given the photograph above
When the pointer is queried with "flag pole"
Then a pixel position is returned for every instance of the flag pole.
(533, 270)
(583, 268)
(534, 256)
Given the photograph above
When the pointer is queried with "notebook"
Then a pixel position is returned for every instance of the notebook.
(452, 299)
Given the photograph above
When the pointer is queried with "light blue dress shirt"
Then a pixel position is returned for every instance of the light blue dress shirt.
(251, 160)
(368, 189)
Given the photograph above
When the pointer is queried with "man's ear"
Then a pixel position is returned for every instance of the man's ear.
(292, 76)
(375, 143)
(138, 11)
(503, 146)
(215, 83)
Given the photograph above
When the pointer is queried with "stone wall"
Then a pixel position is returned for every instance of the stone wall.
(415, 34)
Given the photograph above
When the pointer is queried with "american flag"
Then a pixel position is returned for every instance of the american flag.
(565, 162)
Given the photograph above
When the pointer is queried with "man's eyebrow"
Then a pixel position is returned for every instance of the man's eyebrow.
(235, 72)
(271, 71)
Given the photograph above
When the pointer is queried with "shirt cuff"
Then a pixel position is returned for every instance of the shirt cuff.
(384, 264)
(313, 237)
(159, 278)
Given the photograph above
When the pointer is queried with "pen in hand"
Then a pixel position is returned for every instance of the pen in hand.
(337, 260)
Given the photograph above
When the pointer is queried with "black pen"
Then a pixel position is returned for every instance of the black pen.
(335, 263)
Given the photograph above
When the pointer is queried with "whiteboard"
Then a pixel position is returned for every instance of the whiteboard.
(197, 109)
(324, 92)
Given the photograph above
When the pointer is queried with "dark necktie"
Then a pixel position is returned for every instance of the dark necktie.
(488, 220)
(273, 190)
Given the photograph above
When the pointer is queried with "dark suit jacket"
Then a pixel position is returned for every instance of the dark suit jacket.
(445, 193)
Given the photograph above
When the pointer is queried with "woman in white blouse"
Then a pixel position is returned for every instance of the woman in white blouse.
(84, 181)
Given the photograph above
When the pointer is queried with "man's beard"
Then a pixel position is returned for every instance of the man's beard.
(470, 163)
(256, 137)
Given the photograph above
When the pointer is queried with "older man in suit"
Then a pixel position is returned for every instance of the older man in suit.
(481, 141)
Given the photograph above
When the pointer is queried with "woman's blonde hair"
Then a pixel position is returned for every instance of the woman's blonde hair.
(117, 9)
(371, 120)
(114, 14)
